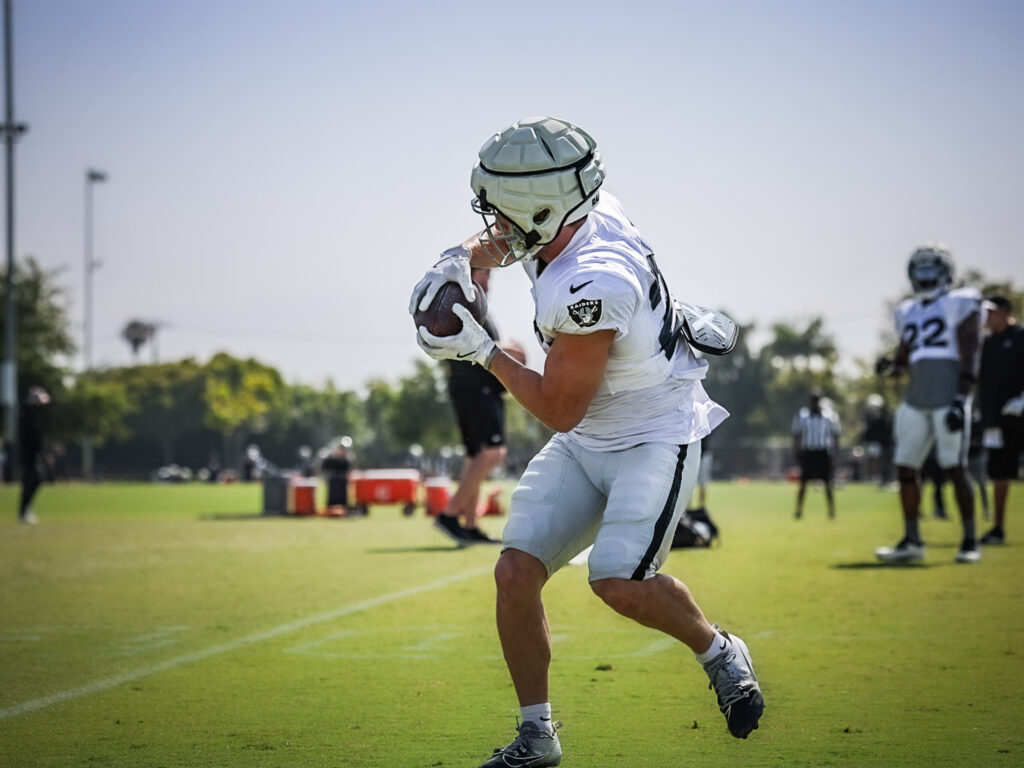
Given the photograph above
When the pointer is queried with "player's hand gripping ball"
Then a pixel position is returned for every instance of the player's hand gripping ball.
(439, 319)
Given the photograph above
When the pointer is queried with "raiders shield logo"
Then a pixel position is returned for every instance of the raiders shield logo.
(585, 312)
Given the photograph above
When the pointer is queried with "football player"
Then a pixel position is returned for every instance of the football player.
(940, 342)
(620, 387)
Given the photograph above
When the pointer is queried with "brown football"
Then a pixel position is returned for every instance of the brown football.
(439, 318)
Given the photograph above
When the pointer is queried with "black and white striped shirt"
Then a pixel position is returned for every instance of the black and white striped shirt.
(817, 431)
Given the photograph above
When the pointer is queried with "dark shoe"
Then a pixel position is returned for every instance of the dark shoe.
(995, 536)
(476, 536)
(449, 526)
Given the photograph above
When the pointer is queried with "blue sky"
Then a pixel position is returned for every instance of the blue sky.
(280, 174)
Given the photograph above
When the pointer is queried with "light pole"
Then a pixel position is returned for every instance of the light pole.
(91, 265)
(9, 368)
(92, 177)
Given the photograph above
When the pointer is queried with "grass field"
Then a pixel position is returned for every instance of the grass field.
(158, 626)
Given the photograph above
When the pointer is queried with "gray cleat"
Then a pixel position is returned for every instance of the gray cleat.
(739, 695)
(533, 748)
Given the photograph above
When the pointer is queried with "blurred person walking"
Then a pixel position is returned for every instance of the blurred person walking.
(816, 444)
(877, 439)
(1001, 397)
(30, 441)
(479, 402)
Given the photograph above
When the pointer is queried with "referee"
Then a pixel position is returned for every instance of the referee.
(815, 442)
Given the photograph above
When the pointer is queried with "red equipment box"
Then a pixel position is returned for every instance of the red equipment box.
(438, 492)
(386, 486)
(304, 497)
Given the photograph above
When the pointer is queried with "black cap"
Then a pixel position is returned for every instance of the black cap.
(998, 301)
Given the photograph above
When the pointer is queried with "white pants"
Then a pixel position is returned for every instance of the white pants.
(917, 428)
(626, 503)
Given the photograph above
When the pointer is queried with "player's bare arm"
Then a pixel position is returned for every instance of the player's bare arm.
(969, 343)
(477, 253)
(573, 371)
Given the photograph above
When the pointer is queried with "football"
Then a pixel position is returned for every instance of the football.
(439, 318)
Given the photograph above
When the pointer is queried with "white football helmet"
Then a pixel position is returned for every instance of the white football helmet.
(532, 179)
(931, 270)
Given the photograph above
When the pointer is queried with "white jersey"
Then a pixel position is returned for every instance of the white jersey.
(606, 279)
(929, 330)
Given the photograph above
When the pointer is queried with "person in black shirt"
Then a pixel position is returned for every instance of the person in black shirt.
(30, 440)
(1001, 395)
(335, 468)
(478, 399)
(877, 439)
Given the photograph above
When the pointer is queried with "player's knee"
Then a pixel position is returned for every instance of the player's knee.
(956, 474)
(619, 594)
(517, 573)
(906, 475)
(960, 477)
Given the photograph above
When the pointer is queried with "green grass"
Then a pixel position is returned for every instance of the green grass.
(155, 626)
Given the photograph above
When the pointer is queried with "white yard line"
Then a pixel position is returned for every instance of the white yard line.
(284, 629)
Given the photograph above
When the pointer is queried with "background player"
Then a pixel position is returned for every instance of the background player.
(621, 388)
(940, 340)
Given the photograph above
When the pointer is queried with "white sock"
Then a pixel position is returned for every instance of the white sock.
(718, 644)
(539, 715)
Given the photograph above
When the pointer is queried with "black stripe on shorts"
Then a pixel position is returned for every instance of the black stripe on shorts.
(661, 527)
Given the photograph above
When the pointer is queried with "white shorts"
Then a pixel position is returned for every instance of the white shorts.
(626, 503)
(917, 428)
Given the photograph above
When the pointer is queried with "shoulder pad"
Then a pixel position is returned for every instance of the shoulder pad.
(707, 330)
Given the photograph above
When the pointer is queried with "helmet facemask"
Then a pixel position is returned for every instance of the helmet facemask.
(931, 271)
(503, 240)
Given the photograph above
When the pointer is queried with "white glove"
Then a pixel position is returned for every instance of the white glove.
(471, 343)
(1014, 406)
(453, 267)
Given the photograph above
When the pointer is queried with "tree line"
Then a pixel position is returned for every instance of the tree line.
(185, 412)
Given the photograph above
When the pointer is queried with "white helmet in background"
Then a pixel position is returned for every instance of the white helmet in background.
(931, 270)
(539, 174)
